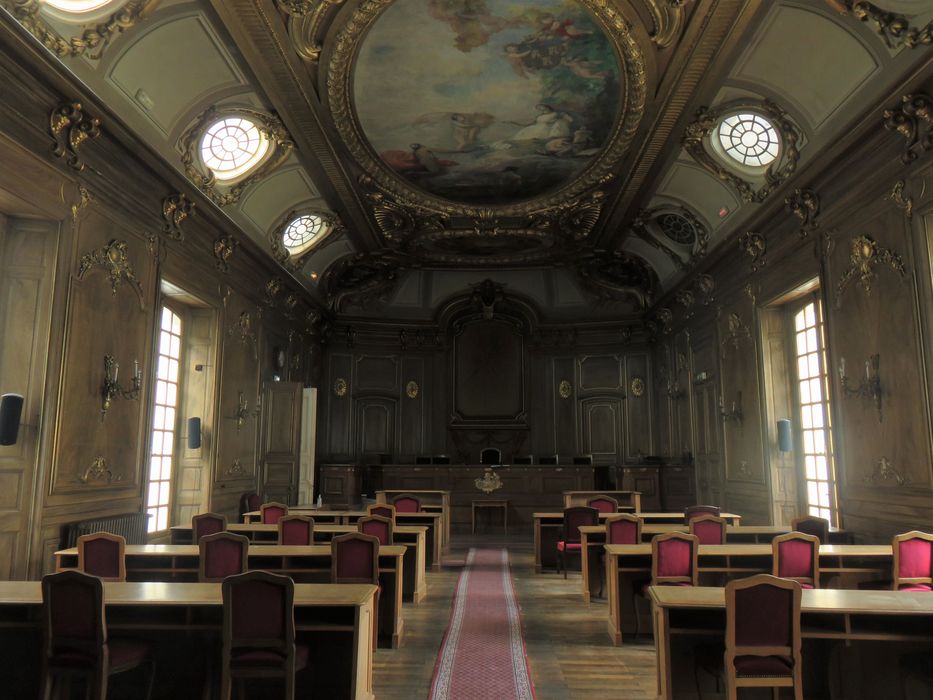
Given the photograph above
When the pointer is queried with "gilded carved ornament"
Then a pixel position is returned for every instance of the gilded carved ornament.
(70, 126)
(235, 469)
(884, 471)
(902, 200)
(666, 319)
(243, 328)
(705, 285)
(114, 260)
(912, 119)
(224, 248)
(894, 28)
(805, 205)
(340, 387)
(412, 390)
(99, 471)
(686, 299)
(698, 134)
(638, 387)
(93, 39)
(668, 17)
(737, 331)
(306, 24)
(565, 389)
(176, 208)
(865, 255)
(489, 482)
(755, 246)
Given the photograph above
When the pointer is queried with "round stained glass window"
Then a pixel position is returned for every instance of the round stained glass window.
(749, 139)
(76, 6)
(232, 146)
(677, 228)
(300, 232)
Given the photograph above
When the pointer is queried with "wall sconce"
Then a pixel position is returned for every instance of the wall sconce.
(111, 388)
(735, 413)
(784, 436)
(870, 387)
(243, 412)
(11, 411)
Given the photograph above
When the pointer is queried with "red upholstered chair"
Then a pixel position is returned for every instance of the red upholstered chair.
(913, 561)
(574, 518)
(604, 504)
(673, 563)
(207, 524)
(709, 529)
(406, 503)
(75, 639)
(354, 558)
(622, 528)
(222, 554)
(811, 525)
(249, 503)
(383, 510)
(690, 512)
(376, 526)
(103, 554)
(259, 631)
(763, 635)
(797, 556)
(296, 530)
(271, 512)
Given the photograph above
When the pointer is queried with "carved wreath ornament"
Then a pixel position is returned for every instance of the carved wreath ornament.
(864, 256)
(489, 481)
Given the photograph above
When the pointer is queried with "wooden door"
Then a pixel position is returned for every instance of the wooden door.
(280, 441)
(602, 429)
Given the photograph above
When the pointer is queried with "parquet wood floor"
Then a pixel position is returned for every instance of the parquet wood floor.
(568, 647)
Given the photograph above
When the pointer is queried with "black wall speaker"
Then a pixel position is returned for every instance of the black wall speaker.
(11, 411)
(784, 435)
(194, 433)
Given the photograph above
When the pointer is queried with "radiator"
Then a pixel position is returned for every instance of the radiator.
(132, 526)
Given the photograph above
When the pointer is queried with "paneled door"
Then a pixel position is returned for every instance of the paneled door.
(601, 429)
(280, 441)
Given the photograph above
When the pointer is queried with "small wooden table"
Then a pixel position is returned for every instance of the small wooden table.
(503, 504)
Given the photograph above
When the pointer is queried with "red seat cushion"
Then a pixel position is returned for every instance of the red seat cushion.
(569, 546)
(763, 666)
(915, 587)
(805, 585)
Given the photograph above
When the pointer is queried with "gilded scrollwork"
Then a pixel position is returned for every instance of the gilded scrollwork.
(755, 246)
(884, 471)
(895, 29)
(224, 248)
(617, 275)
(243, 328)
(805, 205)
(696, 142)
(737, 331)
(176, 208)
(902, 200)
(99, 471)
(912, 119)
(668, 17)
(70, 127)
(113, 259)
(361, 279)
(705, 286)
(865, 254)
(686, 298)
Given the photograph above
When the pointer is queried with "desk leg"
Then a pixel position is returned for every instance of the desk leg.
(585, 566)
(537, 545)
(662, 643)
(615, 598)
(473, 520)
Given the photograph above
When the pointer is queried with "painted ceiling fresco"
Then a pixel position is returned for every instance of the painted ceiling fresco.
(486, 101)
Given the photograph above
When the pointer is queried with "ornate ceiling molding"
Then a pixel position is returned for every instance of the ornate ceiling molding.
(668, 17)
(362, 279)
(617, 275)
(674, 230)
(912, 119)
(895, 29)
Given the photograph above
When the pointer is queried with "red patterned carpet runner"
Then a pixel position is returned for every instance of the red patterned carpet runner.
(483, 653)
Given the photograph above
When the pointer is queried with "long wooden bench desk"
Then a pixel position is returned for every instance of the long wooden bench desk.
(889, 623)
(593, 537)
(179, 562)
(432, 501)
(185, 622)
(629, 565)
(629, 501)
(548, 528)
(414, 584)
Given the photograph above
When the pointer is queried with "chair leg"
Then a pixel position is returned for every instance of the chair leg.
(637, 615)
(47, 686)
(225, 684)
(151, 680)
(290, 681)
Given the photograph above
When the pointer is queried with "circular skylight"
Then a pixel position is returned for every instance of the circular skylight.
(76, 6)
(677, 228)
(749, 139)
(301, 232)
(232, 146)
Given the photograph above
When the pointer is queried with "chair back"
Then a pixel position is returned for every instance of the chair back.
(797, 556)
(271, 512)
(690, 512)
(762, 619)
(709, 529)
(376, 526)
(258, 614)
(354, 558)
(222, 554)
(207, 524)
(249, 503)
(913, 559)
(103, 554)
(406, 503)
(674, 559)
(623, 528)
(811, 525)
(576, 517)
(383, 510)
(73, 616)
(296, 530)
(604, 504)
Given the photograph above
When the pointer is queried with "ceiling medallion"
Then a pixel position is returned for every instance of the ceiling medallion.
(523, 111)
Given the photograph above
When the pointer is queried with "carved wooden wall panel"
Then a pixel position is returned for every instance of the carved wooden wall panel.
(639, 434)
(375, 426)
(281, 441)
(489, 372)
(376, 374)
(600, 373)
(414, 407)
(336, 416)
(563, 399)
(601, 429)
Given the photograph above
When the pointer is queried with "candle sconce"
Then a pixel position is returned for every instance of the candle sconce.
(735, 413)
(870, 387)
(243, 412)
(111, 388)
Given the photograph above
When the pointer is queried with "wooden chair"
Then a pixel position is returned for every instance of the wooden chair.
(222, 554)
(604, 504)
(709, 529)
(271, 512)
(406, 503)
(622, 528)
(383, 510)
(354, 558)
(763, 635)
(811, 525)
(378, 527)
(575, 517)
(913, 561)
(691, 512)
(673, 563)
(103, 554)
(296, 530)
(259, 631)
(797, 556)
(249, 503)
(75, 642)
(207, 524)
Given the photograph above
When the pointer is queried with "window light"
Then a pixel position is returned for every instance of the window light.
(232, 146)
(749, 139)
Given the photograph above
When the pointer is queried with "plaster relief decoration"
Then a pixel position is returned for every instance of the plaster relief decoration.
(884, 471)
(243, 327)
(755, 247)
(698, 142)
(668, 17)
(805, 205)
(340, 387)
(176, 208)
(362, 279)
(412, 390)
(737, 332)
(864, 256)
(224, 248)
(235, 469)
(70, 126)
(112, 259)
(902, 200)
(489, 482)
(638, 387)
(618, 275)
(565, 389)
(99, 472)
(895, 29)
(912, 119)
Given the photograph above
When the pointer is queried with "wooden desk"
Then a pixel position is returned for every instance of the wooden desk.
(179, 562)
(628, 565)
(414, 584)
(548, 527)
(432, 501)
(492, 503)
(186, 618)
(593, 538)
(325, 515)
(825, 614)
(629, 501)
